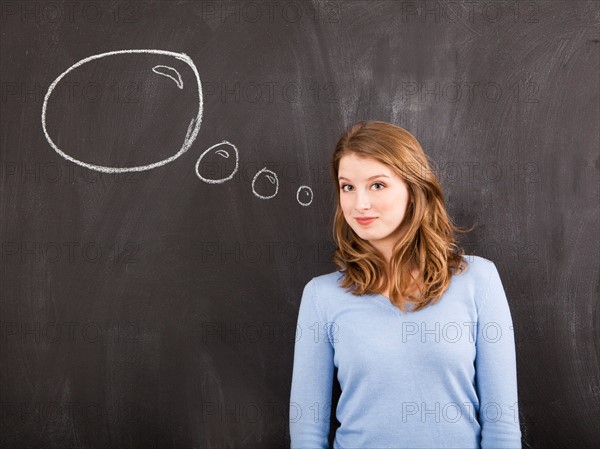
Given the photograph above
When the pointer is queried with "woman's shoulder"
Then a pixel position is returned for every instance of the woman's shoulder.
(327, 280)
(478, 272)
(325, 291)
(478, 263)
(479, 275)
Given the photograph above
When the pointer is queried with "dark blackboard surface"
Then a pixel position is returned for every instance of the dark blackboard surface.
(152, 308)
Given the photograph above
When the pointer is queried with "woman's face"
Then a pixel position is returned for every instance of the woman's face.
(370, 189)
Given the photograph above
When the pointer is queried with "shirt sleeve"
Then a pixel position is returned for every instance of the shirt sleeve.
(496, 371)
(312, 377)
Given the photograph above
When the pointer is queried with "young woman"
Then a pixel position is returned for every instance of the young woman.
(421, 335)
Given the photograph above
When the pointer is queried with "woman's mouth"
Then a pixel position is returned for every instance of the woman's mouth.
(366, 221)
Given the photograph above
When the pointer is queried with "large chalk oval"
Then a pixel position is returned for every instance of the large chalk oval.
(124, 111)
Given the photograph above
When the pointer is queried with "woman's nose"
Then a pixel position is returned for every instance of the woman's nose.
(362, 201)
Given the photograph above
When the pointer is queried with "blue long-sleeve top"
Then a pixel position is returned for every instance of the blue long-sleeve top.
(442, 377)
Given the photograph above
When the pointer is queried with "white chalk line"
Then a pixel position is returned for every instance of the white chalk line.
(298, 195)
(222, 153)
(176, 78)
(272, 177)
(190, 136)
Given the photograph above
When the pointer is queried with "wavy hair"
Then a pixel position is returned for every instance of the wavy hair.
(428, 243)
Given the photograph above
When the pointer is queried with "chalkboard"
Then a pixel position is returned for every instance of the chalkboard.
(166, 196)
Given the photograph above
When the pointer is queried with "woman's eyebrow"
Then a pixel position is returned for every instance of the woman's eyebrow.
(368, 179)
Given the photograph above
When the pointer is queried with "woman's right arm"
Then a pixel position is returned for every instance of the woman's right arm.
(312, 377)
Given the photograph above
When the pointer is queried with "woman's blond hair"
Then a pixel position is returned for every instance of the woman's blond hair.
(428, 242)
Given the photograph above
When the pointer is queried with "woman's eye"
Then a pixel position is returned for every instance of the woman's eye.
(343, 186)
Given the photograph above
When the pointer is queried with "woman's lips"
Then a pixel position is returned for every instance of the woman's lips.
(365, 221)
